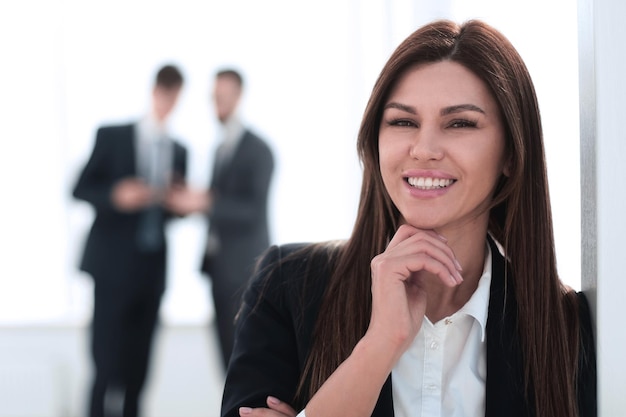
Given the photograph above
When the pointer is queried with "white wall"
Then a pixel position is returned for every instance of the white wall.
(73, 65)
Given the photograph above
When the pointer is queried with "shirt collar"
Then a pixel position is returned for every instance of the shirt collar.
(478, 304)
(150, 129)
(232, 130)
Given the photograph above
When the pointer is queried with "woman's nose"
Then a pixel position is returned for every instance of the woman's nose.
(426, 145)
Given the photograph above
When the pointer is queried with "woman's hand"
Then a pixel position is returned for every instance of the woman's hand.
(398, 279)
(277, 408)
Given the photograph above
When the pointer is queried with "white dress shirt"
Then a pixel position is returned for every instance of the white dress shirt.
(231, 134)
(443, 372)
(154, 153)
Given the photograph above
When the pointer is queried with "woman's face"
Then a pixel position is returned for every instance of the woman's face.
(441, 145)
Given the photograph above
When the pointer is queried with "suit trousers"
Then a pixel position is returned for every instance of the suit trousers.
(227, 289)
(125, 317)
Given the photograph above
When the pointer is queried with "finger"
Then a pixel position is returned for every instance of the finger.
(406, 231)
(423, 262)
(403, 255)
(261, 412)
(245, 411)
(436, 250)
(281, 406)
(404, 268)
(437, 241)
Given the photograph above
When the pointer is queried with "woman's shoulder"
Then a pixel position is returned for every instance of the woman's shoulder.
(301, 256)
(577, 303)
(577, 310)
(585, 319)
(295, 266)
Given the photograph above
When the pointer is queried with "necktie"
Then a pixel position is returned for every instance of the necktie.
(150, 234)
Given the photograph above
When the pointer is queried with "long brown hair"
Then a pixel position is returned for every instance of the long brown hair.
(520, 219)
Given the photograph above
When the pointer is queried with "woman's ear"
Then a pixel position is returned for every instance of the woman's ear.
(506, 169)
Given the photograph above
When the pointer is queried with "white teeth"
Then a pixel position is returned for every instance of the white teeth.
(429, 183)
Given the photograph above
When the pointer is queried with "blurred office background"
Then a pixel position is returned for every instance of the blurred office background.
(69, 66)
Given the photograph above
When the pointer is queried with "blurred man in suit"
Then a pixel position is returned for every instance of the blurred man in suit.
(126, 179)
(236, 205)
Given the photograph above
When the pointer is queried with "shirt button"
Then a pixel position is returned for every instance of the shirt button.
(434, 345)
(432, 387)
(448, 321)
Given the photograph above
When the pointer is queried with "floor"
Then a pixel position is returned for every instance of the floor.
(44, 372)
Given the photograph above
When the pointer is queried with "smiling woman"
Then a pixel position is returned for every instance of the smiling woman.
(438, 290)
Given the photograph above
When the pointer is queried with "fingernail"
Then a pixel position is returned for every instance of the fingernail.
(273, 400)
(442, 237)
(245, 411)
(459, 277)
(457, 264)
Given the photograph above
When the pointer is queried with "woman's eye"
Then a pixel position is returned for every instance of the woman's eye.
(401, 123)
(462, 123)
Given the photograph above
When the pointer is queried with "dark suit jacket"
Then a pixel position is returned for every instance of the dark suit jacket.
(274, 335)
(111, 244)
(239, 215)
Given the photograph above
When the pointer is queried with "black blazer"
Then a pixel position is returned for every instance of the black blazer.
(239, 215)
(111, 243)
(274, 335)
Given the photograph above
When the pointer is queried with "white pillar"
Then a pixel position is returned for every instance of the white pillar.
(602, 35)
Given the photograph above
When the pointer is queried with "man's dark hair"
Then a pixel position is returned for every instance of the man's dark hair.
(169, 76)
(232, 73)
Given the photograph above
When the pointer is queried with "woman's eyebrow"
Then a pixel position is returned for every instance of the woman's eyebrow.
(399, 106)
(460, 108)
(445, 111)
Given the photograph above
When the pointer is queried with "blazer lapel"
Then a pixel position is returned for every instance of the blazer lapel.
(505, 394)
(222, 167)
(127, 150)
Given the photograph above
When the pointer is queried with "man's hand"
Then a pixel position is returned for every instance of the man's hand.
(185, 200)
(131, 194)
